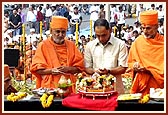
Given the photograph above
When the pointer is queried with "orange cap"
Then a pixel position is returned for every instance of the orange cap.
(149, 17)
(6, 72)
(59, 22)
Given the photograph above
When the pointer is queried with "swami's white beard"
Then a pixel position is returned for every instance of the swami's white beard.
(58, 41)
(148, 37)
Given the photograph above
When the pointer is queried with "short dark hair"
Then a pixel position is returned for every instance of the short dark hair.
(40, 8)
(120, 7)
(82, 36)
(6, 12)
(102, 22)
(52, 7)
(15, 9)
(131, 27)
(160, 6)
(101, 6)
(135, 31)
(152, 5)
(76, 7)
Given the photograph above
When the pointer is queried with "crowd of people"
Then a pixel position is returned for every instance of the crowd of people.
(107, 52)
(129, 33)
(36, 13)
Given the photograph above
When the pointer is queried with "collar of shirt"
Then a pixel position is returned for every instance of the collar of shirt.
(109, 42)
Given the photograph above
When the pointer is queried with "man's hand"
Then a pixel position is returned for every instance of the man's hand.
(102, 71)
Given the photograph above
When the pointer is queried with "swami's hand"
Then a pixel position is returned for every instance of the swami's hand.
(55, 71)
(60, 70)
(64, 69)
(68, 70)
(137, 68)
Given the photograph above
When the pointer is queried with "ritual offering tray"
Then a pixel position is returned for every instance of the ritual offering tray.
(96, 94)
(129, 97)
(40, 91)
(95, 85)
(157, 94)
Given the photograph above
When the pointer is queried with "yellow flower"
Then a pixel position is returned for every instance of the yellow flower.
(89, 80)
(46, 100)
(83, 80)
(15, 97)
(102, 76)
(145, 99)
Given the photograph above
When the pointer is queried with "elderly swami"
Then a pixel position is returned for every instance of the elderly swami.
(146, 56)
(56, 56)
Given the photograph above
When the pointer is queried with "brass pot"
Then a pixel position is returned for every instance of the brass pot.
(63, 92)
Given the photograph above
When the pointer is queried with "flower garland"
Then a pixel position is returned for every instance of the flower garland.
(144, 99)
(46, 100)
(15, 97)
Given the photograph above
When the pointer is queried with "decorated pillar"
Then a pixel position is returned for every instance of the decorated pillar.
(41, 30)
(91, 37)
(24, 50)
(76, 35)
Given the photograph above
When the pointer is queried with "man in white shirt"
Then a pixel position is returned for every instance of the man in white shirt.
(93, 13)
(139, 9)
(31, 17)
(8, 37)
(6, 21)
(113, 14)
(137, 27)
(161, 27)
(121, 16)
(32, 36)
(161, 13)
(75, 17)
(106, 54)
(152, 7)
(48, 15)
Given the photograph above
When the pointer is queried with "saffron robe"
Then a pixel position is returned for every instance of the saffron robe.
(150, 54)
(46, 57)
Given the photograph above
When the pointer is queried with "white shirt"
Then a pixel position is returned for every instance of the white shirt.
(16, 38)
(133, 38)
(75, 18)
(160, 14)
(48, 12)
(139, 10)
(160, 29)
(138, 29)
(10, 39)
(93, 15)
(34, 48)
(121, 17)
(113, 12)
(31, 16)
(71, 10)
(111, 55)
(31, 38)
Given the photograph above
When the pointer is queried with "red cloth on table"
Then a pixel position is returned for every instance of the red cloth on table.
(100, 103)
